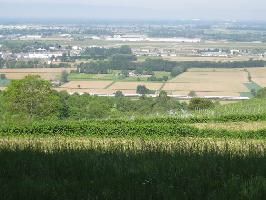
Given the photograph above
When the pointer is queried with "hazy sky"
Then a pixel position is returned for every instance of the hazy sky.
(135, 9)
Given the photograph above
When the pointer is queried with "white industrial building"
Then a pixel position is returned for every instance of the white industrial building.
(43, 55)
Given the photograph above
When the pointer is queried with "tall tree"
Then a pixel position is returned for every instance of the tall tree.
(64, 76)
(32, 97)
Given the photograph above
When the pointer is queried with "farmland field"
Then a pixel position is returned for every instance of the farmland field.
(204, 81)
(133, 85)
(138, 159)
(83, 76)
(98, 91)
(209, 82)
(86, 84)
(258, 76)
(146, 158)
(45, 73)
(234, 126)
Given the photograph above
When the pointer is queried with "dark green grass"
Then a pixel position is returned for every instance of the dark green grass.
(117, 173)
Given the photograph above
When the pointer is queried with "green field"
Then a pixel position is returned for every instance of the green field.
(82, 76)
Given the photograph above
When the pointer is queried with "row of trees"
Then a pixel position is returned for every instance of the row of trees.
(15, 64)
(27, 46)
(103, 53)
(128, 62)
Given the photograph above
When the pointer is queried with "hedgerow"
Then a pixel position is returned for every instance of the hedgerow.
(124, 128)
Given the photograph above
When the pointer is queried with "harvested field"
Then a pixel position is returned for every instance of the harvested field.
(202, 94)
(209, 82)
(95, 91)
(45, 73)
(86, 84)
(258, 75)
(230, 94)
(211, 77)
(88, 91)
(134, 85)
(206, 87)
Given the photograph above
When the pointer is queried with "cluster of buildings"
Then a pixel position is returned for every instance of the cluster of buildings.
(171, 52)
(49, 54)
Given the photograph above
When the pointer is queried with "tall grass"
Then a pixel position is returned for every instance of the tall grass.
(131, 170)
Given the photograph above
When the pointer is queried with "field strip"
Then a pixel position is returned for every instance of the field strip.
(161, 88)
(110, 85)
(233, 126)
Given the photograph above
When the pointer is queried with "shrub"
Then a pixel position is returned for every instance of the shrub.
(261, 93)
(200, 104)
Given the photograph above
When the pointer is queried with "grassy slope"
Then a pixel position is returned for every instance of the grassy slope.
(135, 167)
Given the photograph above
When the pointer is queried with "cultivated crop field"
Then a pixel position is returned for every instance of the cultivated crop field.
(106, 87)
(44, 73)
(145, 158)
(204, 81)
(209, 82)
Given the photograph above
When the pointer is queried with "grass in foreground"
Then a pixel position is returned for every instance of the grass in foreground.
(131, 168)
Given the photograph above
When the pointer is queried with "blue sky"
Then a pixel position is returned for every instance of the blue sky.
(135, 9)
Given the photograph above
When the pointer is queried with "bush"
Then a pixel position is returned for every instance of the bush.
(200, 104)
(2, 77)
(261, 93)
(141, 89)
(192, 94)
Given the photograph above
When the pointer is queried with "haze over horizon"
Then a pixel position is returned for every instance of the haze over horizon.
(137, 10)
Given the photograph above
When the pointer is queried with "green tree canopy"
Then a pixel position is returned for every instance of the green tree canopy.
(141, 89)
(200, 104)
(119, 94)
(32, 97)
(64, 76)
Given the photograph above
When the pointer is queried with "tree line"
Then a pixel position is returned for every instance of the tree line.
(20, 64)
(103, 53)
(128, 62)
